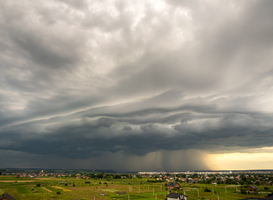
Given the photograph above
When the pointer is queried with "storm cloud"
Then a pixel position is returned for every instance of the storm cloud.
(115, 83)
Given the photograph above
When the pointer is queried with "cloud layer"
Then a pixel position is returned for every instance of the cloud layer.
(131, 81)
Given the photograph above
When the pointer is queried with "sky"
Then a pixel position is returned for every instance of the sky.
(136, 85)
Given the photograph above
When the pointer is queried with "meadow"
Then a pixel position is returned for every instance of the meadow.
(138, 188)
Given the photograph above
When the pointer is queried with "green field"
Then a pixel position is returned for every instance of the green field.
(73, 188)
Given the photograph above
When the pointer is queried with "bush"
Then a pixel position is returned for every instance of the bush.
(58, 192)
(207, 190)
(38, 185)
(73, 185)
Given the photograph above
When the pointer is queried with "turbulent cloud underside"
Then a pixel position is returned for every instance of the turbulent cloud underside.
(155, 82)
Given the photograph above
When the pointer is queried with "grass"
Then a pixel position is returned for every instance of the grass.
(60, 188)
(21, 189)
(135, 188)
(52, 189)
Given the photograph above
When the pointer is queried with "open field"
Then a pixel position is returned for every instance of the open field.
(80, 189)
(17, 181)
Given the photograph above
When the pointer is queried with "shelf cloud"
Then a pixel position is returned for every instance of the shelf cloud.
(116, 83)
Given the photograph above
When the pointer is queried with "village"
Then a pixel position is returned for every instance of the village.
(242, 178)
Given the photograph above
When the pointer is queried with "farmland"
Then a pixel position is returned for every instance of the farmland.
(135, 188)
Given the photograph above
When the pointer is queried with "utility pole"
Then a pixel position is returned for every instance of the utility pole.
(213, 191)
(217, 197)
(226, 188)
(153, 192)
(198, 192)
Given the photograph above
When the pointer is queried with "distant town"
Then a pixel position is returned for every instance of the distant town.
(214, 177)
(214, 172)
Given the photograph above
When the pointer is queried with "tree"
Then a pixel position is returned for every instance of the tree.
(100, 175)
(242, 182)
(243, 191)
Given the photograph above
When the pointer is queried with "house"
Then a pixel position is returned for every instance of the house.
(78, 176)
(6, 196)
(176, 196)
(190, 180)
(252, 188)
(269, 196)
(41, 173)
(195, 180)
(182, 179)
(267, 183)
(172, 185)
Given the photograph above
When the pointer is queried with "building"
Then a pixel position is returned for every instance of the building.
(172, 185)
(252, 188)
(176, 196)
(41, 173)
(269, 196)
(6, 196)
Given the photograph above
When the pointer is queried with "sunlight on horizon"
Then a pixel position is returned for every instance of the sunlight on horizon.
(242, 161)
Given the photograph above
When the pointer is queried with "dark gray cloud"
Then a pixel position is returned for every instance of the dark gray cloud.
(139, 81)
